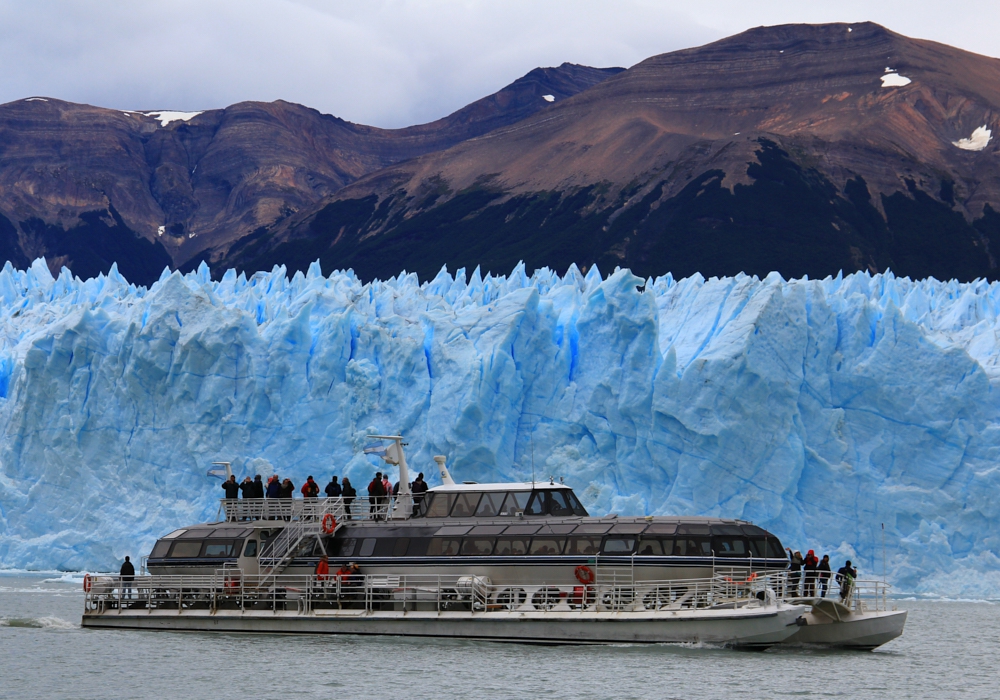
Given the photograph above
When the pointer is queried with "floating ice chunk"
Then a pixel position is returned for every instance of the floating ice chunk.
(549, 98)
(894, 79)
(977, 142)
(167, 117)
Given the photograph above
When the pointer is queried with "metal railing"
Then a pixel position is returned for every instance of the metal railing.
(354, 593)
(276, 553)
(302, 509)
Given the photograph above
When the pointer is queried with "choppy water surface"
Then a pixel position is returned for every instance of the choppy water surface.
(949, 650)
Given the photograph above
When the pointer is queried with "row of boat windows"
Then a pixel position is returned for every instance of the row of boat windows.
(192, 549)
(548, 545)
(493, 504)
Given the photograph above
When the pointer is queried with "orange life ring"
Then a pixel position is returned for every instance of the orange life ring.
(329, 523)
(584, 574)
(88, 583)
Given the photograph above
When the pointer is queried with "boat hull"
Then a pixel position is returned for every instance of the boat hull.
(857, 630)
(759, 628)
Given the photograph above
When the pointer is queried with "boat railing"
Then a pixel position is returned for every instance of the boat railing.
(303, 509)
(230, 589)
(858, 596)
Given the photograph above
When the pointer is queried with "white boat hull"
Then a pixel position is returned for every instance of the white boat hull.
(854, 630)
(760, 627)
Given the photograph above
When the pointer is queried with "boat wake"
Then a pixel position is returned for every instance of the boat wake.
(48, 622)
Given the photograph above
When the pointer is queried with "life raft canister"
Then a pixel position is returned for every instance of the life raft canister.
(88, 583)
(584, 574)
(329, 523)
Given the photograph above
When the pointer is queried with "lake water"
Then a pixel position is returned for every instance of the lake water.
(949, 650)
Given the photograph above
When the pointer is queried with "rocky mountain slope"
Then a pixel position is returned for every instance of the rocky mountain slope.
(86, 186)
(803, 149)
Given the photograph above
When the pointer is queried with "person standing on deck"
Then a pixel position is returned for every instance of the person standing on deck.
(322, 571)
(375, 493)
(287, 488)
(810, 564)
(794, 571)
(231, 488)
(349, 493)
(419, 488)
(387, 497)
(258, 487)
(127, 574)
(274, 487)
(823, 570)
(332, 489)
(845, 577)
(310, 489)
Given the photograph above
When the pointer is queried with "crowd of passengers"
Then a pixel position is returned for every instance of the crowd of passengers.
(381, 491)
(809, 576)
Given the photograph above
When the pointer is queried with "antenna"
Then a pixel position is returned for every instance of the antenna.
(531, 443)
(883, 555)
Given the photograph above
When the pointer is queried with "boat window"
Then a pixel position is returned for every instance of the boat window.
(345, 548)
(558, 505)
(219, 549)
(477, 546)
(418, 546)
(385, 547)
(628, 528)
(521, 529)
(160, 550)
(575, 504)
(175, 533)
(511, 546)
(443, 546)
(583, 545)
(465, 505)
(185, 549)
(556, 529)
(774, 549)
(251, 549)
(729, 547)
(650, 548)
(487, 530)
(367, 547)
(191, 534)
(693, 529)
(546, 545)
(692, 547)
(516, 501)
(225, 533)
(754, 531)
(399, 546)
(592, 528)
(619, 545)
(536, 506)
(440, 505)
(490, 504)
(661, 529)
(758, 547)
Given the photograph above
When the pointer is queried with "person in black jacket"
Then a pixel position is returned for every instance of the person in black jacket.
(418, 488)
(128, 576)
(332, 489)
(258, 487)
(246, 488)
(824, 575)
(376, 492)
(845, 577)
(231, 487)
(794, 571)
(349, 493)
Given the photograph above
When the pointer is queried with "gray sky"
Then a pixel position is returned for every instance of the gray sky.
(387, 62)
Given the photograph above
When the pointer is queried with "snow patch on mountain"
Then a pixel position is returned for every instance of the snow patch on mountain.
(978, 141)
(819, 409)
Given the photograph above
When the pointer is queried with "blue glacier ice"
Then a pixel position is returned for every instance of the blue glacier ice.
(819, 409)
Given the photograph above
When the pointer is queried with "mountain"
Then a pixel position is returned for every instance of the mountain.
(86, 186)
(804, 149)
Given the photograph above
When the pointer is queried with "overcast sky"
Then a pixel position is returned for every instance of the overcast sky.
(387, 62)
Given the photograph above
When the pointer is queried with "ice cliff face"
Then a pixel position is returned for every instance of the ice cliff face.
(816, 408)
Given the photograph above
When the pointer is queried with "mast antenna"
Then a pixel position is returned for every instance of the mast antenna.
(531, 443)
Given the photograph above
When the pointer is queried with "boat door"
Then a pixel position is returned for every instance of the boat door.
(251, 550)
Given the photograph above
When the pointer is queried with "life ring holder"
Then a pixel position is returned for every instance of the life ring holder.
(584, 574)
(329, 523)
(750, 579)
(88, 583)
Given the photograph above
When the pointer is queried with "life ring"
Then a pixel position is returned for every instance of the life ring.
(584, 574)
(329, 523)
(88, 583)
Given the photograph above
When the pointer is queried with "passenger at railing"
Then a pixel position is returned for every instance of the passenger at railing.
(809, 564)
(823, 572)
(274, 487)
(231, 488)
(387, 487)
(287, 489)
(310, 489)
(418, 488)
(246, 488)
(376, 492)
(258, 487)
(349, 493)
(127, 573)
(332, 489)
(795, 571)
(322, 570)
(845, 577)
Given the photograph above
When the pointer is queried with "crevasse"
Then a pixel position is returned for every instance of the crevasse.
(820, 409)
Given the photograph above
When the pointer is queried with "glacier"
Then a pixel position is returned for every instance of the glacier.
(819, 409)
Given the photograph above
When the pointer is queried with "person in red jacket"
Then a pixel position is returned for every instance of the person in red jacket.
(810, 564)
(310, 489)
(323, 569)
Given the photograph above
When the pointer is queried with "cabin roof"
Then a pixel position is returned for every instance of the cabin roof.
(507, 486)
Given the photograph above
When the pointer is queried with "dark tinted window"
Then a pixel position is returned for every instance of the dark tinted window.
(758, 546)
(417, 547)
(344, 547)
(385, 547)
(618, 545)
(536, 506)
(583, 545)
(367, 547)
(650, 548)
(465, 505)
(251, 549)
(546, 545)
(558, 504)
(490, 504)
(692, 547)
(185, 548)
(774, 548)
(215, 548)
(511, 546)
(729, 546)
(516, 501)
(575, 504)
(160, 550)
(692, 529)
(477, 546)
(440, 505)
(443, 546)
(399, 546)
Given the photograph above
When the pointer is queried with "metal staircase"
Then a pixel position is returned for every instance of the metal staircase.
(277, 553)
